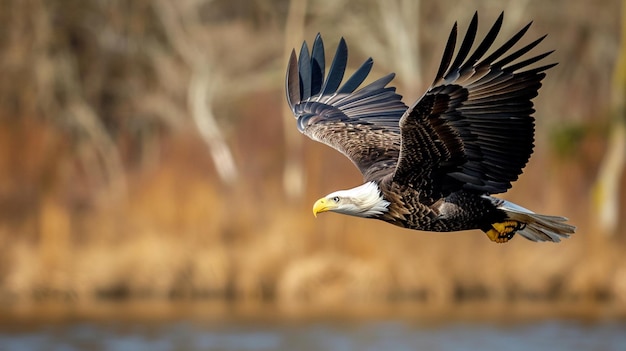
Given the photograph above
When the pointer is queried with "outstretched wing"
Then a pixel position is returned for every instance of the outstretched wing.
(362, 124)
(473, 128)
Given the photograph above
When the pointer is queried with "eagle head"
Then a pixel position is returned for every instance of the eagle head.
(363, 201)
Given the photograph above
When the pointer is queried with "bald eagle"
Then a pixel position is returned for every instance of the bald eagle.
(432, 166)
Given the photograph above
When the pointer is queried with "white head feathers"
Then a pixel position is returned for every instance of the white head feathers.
(363, 201)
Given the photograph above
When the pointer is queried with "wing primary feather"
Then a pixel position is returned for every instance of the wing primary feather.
(526, 63)
(541, 69)
(380, 83)
(363, 98)
(447, 54)
(514, 56)
(466, 45)
(485, 44)
(293, 81)
(317, 65)
(337, 69)
(304, 66)
(505, 47)
(357, 77)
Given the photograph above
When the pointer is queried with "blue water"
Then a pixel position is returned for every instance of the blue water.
(340, 336)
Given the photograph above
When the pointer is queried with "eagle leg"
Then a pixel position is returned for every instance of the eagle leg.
(502, 232)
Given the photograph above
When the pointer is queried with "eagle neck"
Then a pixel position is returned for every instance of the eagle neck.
(369, 200)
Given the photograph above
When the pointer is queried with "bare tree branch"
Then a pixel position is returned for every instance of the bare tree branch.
(199, 95)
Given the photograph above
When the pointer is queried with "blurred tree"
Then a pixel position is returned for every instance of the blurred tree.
(606, 199)
(58, 59)
(176, 17)
(293, 171)
(390, 32)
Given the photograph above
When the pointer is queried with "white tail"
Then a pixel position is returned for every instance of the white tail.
(537, 227)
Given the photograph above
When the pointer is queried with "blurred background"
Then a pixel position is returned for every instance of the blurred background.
(150, 168)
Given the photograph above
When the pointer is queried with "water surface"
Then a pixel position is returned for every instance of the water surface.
(322, 335)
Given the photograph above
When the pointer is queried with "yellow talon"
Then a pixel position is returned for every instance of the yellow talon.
(503, 231)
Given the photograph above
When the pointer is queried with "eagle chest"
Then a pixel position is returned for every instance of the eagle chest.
(406, 210)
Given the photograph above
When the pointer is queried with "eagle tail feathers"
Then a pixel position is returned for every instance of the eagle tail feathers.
(536, 227)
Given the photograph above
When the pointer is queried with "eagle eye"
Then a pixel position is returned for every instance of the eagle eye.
(335, 199)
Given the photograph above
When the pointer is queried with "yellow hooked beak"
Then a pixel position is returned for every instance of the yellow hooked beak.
(323, 205)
